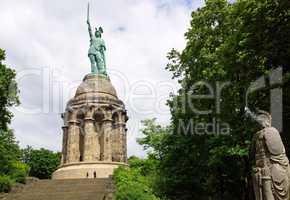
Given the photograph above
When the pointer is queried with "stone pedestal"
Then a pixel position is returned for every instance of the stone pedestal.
(94, 135)
(87, 170)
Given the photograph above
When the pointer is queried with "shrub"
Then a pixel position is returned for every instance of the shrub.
(19, 171)
(5, 183)
(136, 182)
(42, 162)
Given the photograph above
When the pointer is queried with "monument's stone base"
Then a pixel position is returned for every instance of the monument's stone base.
(86, 170)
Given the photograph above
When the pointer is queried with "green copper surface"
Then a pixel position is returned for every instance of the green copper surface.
(97, 50)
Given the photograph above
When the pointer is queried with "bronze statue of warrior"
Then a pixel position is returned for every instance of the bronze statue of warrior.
(97, 49)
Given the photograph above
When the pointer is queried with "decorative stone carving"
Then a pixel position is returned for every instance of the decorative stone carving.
(271, 174)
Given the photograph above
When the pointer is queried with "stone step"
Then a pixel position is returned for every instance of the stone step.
(76, 196)
(73, 189)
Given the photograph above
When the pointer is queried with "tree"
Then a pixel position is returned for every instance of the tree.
(8, 93)
(141, 180)
(227, 42)
(9, 149)
(153, 138)
(42, 162)
(11, 169)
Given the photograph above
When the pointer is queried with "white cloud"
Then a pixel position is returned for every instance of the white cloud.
(51, 36)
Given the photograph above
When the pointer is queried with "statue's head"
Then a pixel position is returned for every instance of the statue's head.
(98, 32)
(264, 119)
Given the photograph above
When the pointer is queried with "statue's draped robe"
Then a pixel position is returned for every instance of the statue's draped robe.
(271, 171)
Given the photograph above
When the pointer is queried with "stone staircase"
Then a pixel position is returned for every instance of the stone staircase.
(69, 189)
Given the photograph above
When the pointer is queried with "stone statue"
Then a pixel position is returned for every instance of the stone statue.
(271, 172)
(97, 49)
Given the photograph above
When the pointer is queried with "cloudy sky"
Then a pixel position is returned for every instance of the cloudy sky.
(46, 42)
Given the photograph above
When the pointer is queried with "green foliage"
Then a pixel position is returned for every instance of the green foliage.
(42, 162)
(9, 151)
(11, 169)
(154, 136)
(234, 42)
(8, 93)
(142, 180)
(18, 171)
(5, 183)
(136, 182)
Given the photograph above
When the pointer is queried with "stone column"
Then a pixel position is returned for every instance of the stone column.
(123, 139)
(91, 142)
(117, 142)
(64, 145)
(106, 137)
(117, 138)
(124, 146)
(73, 136)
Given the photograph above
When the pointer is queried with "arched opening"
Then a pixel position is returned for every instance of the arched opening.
(115, 118)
